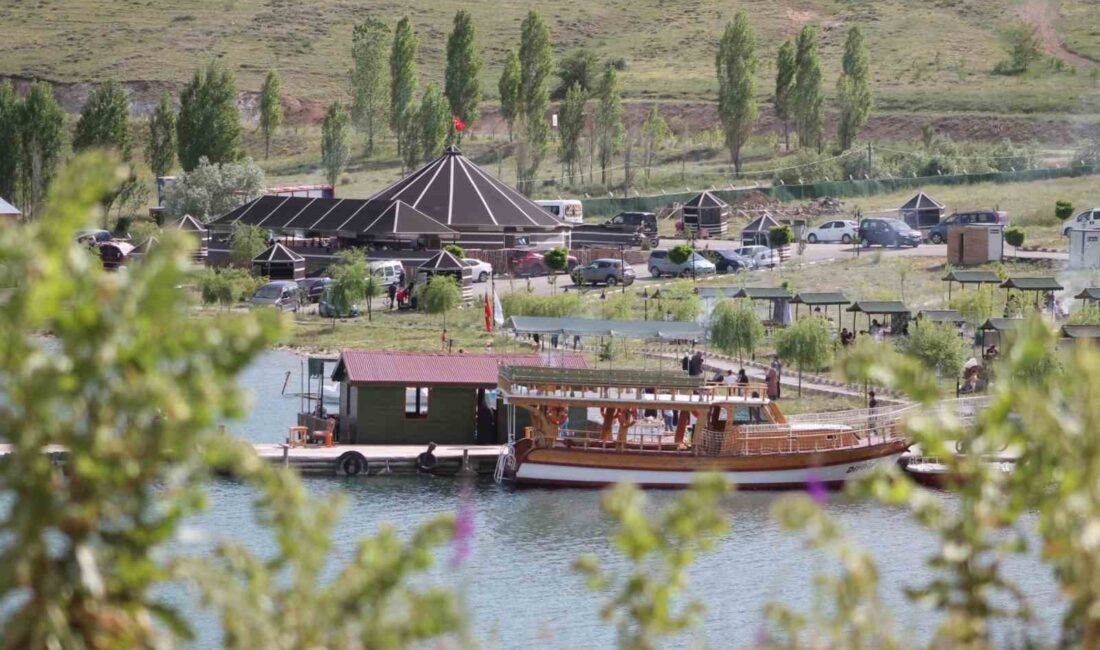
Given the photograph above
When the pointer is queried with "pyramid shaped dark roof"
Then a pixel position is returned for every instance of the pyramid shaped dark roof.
(921, 201)
(400, 218)
(189, 224)
(706, 200)
(278, 253)
(761, 224)
(442, 261)
(457, 193)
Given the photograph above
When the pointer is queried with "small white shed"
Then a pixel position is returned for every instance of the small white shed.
(1084, 249)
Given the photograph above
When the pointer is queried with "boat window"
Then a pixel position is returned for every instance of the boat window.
(416, 402)
(750, 415)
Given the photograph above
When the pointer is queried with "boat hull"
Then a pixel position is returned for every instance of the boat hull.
(585, 468)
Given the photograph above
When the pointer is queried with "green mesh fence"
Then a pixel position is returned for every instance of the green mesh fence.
(838, 189)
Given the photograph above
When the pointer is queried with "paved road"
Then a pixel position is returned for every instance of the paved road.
(818, 253)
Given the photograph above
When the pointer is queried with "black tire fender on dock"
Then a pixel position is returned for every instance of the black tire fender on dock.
(351, 463)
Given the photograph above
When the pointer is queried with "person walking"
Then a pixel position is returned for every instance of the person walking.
(777, 365)
(391, 291)
(772, 380)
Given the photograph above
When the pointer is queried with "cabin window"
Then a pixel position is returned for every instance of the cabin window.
(416, 402)
(749, 415)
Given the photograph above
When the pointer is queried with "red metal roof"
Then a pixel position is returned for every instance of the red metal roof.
(436, 368)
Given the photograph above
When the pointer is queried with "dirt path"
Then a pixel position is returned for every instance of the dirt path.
(1044, 15)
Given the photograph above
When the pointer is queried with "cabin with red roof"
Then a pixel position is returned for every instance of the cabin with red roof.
(406, 398)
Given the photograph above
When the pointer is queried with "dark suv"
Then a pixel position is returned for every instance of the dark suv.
(646, 221)
(938, 233)
(887, 232)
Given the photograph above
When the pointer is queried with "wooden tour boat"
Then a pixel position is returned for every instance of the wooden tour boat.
(590, 428)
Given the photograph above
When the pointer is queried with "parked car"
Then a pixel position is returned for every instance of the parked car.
(1087, 220)
(388, 271)
(833, 231)
(313, 288)
(728, 261)
(530, 263)
(659, 265)
(887, 232)
(327, 310)
(604, 271)
(281, 294)
(938, 233)
(761, 255)
(479, 271)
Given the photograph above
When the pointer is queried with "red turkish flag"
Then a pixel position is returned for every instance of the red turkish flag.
(459, 124)
(488, 314)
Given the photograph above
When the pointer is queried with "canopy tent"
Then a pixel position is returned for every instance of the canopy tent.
(921, 211)
(637, 329)
(1089, 295)
(706, 212)
(1039, 286)
(940, 316)
(758, 231)
(816, 300)
(897, 311)
(970, 277)
(279, 263)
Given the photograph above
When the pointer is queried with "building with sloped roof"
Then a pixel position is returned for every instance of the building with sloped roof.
(921, 211)
(420, 397)
(706, 213)
(9, 214)
(279, 263)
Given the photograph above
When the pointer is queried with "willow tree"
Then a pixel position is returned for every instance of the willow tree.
(735, 329)
(853, 89)
(736, 68)
(805, 343)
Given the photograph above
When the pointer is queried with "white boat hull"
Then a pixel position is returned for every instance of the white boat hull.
(573, 475)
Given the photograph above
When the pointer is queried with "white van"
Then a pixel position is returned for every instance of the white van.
(567, 210)
(1087, 220)
(388, 271)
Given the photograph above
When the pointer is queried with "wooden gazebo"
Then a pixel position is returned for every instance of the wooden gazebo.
(997, 326)
(821, 300)
(897, 311)
(970, 277)
(779, 299)
(279, 263)
(1040, 286)
(758, 231)
(1090, 295)
(197, 229)
(921, 211)
(445, 263)
(706, 214)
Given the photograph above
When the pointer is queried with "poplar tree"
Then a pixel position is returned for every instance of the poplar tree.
(160, 148)
(508, 87)
(370, 89)
(854, 89)
(570, 127)
(536, 59)
(434, 122)
(403, 80)
(784, 89)
(208, 124)
(609, 119)
(10, 145)
(462, 86)
(736, 69)
(808, 98)
(105, 120)
(41, 128)
(271, 108)
(655, 132)
(334, 142)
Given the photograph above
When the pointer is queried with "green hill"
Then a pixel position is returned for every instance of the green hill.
(929, 56)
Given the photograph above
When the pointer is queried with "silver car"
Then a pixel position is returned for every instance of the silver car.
(604, 271)
(281, 294)
(659, 264)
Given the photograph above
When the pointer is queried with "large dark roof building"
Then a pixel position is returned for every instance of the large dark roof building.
(448, 198)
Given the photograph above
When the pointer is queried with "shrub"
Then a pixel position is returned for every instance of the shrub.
(456, 250)
(1063, 209)
(618, 306)
(246, 242)
(440, 295)
(1014, 236)
(680, 253)
(521, 303)
(807, 166)
(938, 347)
(780, 236)
(681, 301)
(556, 259)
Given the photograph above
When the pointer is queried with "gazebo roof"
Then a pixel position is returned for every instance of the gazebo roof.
(879, 307)
(1090, 293)
(1032, 284)
(1001, 324)
(763, 293)
(442, 261)
(457, 193)
(1081, 331)
(821, 298)
(399, 219)
(941, 316)
(8, 209)
(922, 201)
(188, 223)
(706, 200)
(761, 224)
(972, 277)
(278, 253)
(144, 247)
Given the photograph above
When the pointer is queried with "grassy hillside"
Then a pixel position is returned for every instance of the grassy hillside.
(928, 55)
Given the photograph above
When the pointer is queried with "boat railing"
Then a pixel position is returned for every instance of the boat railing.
(636, 441)
(704, 394)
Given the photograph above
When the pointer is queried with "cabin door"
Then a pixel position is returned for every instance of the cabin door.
(486, 432)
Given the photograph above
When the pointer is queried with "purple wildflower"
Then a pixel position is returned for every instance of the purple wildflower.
(817, 490)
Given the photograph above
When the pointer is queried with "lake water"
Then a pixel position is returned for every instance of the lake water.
(517, 582)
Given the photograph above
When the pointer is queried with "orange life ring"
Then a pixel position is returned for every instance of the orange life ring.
(627, 418)
(557, 414)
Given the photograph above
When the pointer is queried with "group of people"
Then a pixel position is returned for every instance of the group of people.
(693, 365)
(398, 293)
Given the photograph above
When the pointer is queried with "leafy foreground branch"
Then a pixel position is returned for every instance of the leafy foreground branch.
(110, 367)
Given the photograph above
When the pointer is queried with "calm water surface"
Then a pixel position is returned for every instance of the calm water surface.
(517, 582)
